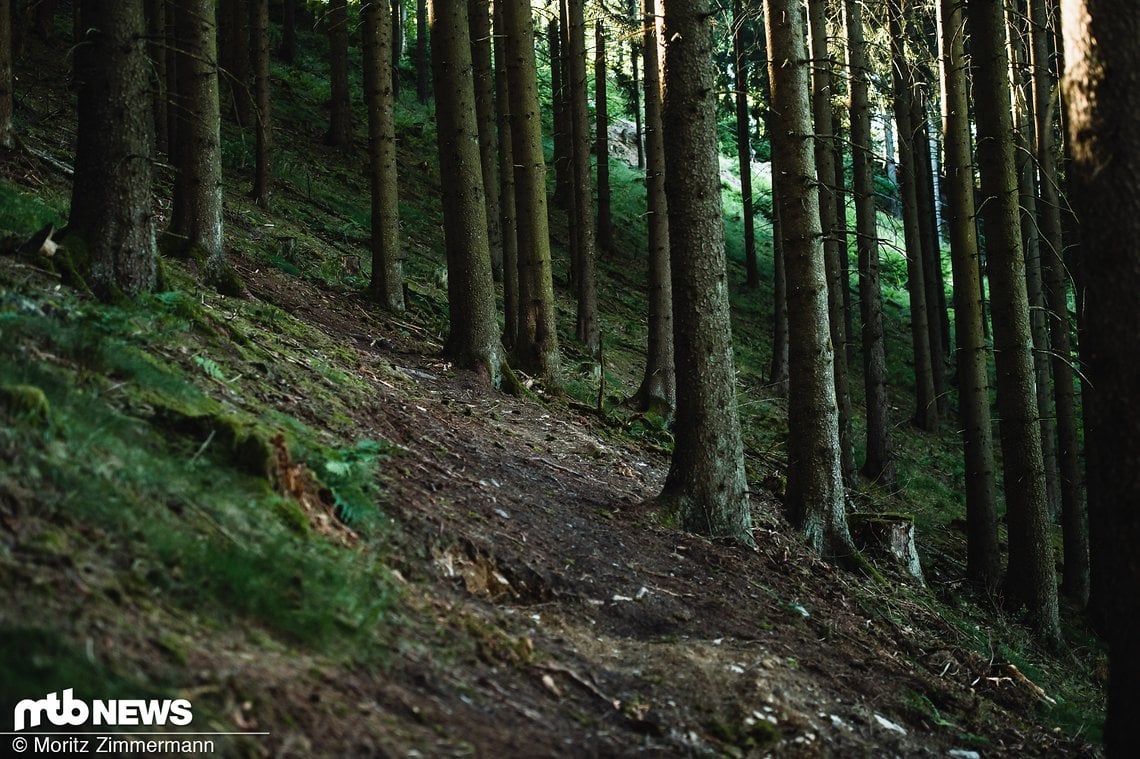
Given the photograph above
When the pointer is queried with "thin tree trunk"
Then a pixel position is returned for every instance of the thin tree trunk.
(602, 147)
(423, 64)
(706, 487)
(983, 561)
(398, 39)
(536, 350)
(156, 44)
(7, 135)
(638, 128)
(259, 32)
(479, 16)
(1031, 577)
(387, 285)
(1075, 577)
(822, 84)
(562, 128)
(287, 50)
(744, 146)
(508, 226)
(233, 57)
(842, 233)
(879, 464)
(340, 120)
(926, 406)
(659, 387)
(583, 217)
(111, 197)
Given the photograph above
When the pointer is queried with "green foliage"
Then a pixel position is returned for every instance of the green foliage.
(350, 475)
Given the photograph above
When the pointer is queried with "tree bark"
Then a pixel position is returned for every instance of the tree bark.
(473, 339)
(815, 497)
(536, 350)
(584, 253)
(825, 146)
(659, 387)
(287, 50)
(508, 225)
(196, 216)
(423, 85)
(233, 57)
(1102, 97)
(602, 145)
(479, 17)
(743, 145)
(259, 33)
(562, 128)
(706, 486)
(983, 561)
(156, 44)
(387, 285)
(7, 134)
(399, 33)
(879, 465)
(111, 196)
(340, 119)
(1031, 577)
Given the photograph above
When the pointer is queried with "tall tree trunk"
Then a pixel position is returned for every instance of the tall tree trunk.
(156, 44)
(508, 225)
(287, 50)
(821, 81)
(983, 561)
(479, 17)
(879, 465)
(340, 120)
(602, 145)
(1031, 577)
(926, 406)
(233, 57)
(7, 135)
(259, 33)
(1022, 79)
(1075, 578)
(842, 233)
(423, 85)
(111, 197)
(583, 218)
(815, 498)
(196, 216)
(706, 486)
(638, 130)
(473, 339)
(536, 350)
(399, 33)
(387, 285)
(743, 145)
(659, 387)
(562, 128)
(1102, 96)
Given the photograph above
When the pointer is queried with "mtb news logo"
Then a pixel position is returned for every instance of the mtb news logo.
(70, 711)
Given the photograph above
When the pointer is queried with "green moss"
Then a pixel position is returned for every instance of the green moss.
(27, 402)
(291, 514)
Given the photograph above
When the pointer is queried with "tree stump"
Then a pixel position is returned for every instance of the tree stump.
(890, 535)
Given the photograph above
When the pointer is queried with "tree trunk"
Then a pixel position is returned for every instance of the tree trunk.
(156, 44)
(822, 85)
(473, 339)
(508, 225)
(562, 128)
(841, 235)
(340, 119)
(1031, 577)
(1102, 96)
(602, 146)
(233, 57)
(7, 135)
(423, 84)
(45, 19)
(983, 561)
(706, 486)
(536, 350)
(583, 217)
(387, 285)
(479, 17)
(196, 216)
(111, 196)
(398, 38)
(638, 130)
(879, 465)
(815, 497)
(1075, 577)
(926, 407)
(659, 387)
(744, 146)
(287, 50)
(259, 33)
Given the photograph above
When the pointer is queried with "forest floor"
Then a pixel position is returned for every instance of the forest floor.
(290, 510)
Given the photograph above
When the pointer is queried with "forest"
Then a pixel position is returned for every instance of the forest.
(570, 377)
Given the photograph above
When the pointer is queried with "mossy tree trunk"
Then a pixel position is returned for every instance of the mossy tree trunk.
(983, 561)
(1031, 577)
(536, 350)
(340, 111)
(479, 17)
(473, 339)
(387, 285)
(111, 196)
(706, 486)
(659, 386)
(815, 499)
(879, 464)
(1102, 98)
